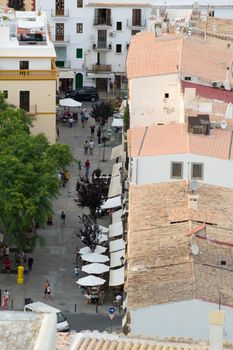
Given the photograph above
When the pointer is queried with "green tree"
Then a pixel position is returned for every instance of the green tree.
(101, 112)
(28, 178)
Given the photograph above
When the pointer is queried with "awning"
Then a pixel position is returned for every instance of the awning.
(103, 229)
(101, 75)
(115, 188)
(95, 257)
(69, 102)
(102, 238)
(117, 123)
(112, 203)
(90, 281)
(116, 169)
(116, 245)
(115, 258)
(117, 277)
(116, 229)
(116, 216)
(66, 74)
(116, 152)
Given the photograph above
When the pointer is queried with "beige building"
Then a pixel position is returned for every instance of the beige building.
(27, 68)
(157, 67)
(180, 259)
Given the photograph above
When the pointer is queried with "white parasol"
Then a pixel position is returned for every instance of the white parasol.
(69, 102)
(90, 281)
(95, 268)
(98, 249)
(103, 229)
(95, 257)
(102, 238)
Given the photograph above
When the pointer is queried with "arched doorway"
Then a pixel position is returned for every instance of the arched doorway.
(79, 81)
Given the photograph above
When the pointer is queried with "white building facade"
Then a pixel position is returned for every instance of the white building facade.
(91, 39)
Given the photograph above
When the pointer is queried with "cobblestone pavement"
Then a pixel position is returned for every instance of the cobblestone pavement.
(56, 260)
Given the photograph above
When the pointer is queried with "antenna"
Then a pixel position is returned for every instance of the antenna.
(194, 249)
(193, 185)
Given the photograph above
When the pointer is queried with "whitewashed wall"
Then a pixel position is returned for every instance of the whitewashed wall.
(147, 102)
(34, 63)
(155, 169)
(181, 319)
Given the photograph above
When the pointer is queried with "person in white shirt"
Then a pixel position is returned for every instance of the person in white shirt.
(91, 146)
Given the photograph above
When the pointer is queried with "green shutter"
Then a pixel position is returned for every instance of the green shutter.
(79, 53)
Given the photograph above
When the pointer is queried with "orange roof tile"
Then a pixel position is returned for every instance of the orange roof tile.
(174, 139)
(149, 55)
(153, 56)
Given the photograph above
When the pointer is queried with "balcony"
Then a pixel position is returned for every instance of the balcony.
(102, 46)
(104, 22)
(102, 68)
(136, 24)
(63, 64)
(60, 13)
(60, 39)
(25, 74)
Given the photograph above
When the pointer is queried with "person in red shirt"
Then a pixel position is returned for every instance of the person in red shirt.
(7, 264)
(87, 167)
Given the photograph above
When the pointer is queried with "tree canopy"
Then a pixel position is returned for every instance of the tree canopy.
(101, 112)
(28, 177)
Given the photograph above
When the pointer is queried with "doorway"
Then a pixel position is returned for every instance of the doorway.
(24, 100)
(59, 31)
(78, 81)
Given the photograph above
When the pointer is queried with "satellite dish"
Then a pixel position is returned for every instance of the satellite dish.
(195, 249)
(194, 185)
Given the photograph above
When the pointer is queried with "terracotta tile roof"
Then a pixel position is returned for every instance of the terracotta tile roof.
(104, 341)
(159, 251)
(174, 139)
(209, 92)
(149, 56)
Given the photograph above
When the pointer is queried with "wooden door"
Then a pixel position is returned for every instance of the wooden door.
(59, 31)
(24, 100)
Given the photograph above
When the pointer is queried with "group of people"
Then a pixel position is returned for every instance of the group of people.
(63, 176)
(89, 146)
(20, 259)
(86, 166)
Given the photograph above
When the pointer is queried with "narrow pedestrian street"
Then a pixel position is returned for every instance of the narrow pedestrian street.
(56, 260)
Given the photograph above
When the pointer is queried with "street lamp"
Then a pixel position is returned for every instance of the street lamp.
(122, 259)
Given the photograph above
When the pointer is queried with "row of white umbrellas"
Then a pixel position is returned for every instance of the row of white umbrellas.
(96, 259)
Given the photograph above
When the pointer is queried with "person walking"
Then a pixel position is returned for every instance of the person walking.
(92, 127)
(86, 146)
(80, 167)
(76, 271)
(63, 218)
(5, 299)
(87, 167)
(99, 135)
(30, 263)
(48, 294)
(91, 146)
(45, 288)
(83, 118)
(7, 264)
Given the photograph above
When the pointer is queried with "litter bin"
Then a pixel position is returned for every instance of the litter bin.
(27, 301)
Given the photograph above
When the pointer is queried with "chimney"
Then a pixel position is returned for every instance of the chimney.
(216, 322)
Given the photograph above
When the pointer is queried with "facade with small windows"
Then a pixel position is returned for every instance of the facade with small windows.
(91, 40)
(169, 153)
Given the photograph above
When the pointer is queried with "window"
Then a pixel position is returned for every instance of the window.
(177, 170)
(135, 31)
(223, 262)
(60, 7)
(118, 25)
(5, 93)
(79, 3)
(197, 171)
(187, 78)
(166, 95)
(59, 29)
(79, 53)
(118, 48)
(23, 64)
(136, 17)
(24, 100)
(127, 46)
(79, 28)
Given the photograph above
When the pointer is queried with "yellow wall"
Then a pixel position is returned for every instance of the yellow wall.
(27, 3)
(42, 100)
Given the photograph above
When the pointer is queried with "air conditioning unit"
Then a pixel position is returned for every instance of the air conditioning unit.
(215, 83)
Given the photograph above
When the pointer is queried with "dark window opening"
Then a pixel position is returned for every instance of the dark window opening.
(187, 78)
(5, 93)
(79, 3)
(118, 25)
(223, 262)
(23, 64)
(118, 48)
(166, 95)
(79, 28)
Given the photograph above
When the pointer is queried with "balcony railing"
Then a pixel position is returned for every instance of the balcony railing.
(102, 67)
(136, 24)
(102, 45)
(25, 74)
(63, 64)
(102, 22)
(60, 13)
(60, 39)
